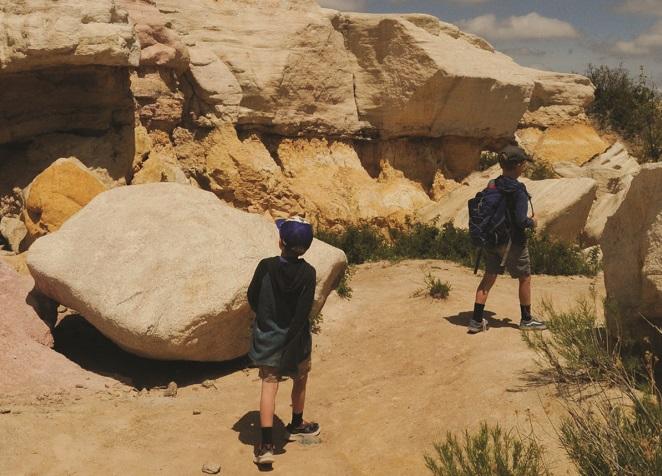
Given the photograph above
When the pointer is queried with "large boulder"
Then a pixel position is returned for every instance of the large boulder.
(56, 194)
(561, 205)
(632, 247)
(162, 270)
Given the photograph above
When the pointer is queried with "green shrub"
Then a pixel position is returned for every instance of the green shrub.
(631, 106)
(489, 452)
(360, 243)
(540, 170)
(614, 422)
(434, 287)
(549, 256)
(344, 290)
(487, 159)
(417, 240)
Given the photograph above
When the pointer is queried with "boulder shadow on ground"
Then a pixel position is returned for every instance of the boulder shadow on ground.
(462, 319)
(82, 343)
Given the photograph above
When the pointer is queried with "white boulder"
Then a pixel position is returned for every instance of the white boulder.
(162, 270)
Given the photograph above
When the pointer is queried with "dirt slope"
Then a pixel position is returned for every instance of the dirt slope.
(391, 373)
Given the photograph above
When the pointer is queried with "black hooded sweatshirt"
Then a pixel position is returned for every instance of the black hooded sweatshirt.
(281, 293)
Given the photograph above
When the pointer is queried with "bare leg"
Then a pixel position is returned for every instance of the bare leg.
(299, 394)
(525, 290)
(484, 288)
(268, 403)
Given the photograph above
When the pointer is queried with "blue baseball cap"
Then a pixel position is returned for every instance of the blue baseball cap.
(295, 233)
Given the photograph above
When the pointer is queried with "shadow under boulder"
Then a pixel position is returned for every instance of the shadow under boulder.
(83, 344)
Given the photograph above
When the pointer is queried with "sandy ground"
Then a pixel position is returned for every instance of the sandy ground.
(391, 374)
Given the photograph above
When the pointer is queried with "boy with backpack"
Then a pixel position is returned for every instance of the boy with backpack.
(281, 293)
(498, 223)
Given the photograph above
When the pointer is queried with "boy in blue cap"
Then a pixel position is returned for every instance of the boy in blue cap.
(281, 293)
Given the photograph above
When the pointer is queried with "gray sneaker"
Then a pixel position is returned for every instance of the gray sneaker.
(475, 327)
(532, 325)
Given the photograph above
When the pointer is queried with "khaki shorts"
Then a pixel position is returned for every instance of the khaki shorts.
(517, 263)
(273, 375)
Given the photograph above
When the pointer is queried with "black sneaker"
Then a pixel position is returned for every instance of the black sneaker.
(264, 454)
(301, 431)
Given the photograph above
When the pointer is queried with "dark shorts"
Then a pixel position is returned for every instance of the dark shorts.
(273, 375)
(517, 263)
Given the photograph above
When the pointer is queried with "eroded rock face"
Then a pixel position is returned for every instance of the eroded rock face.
(39, 34)
(166, 282)
(632, 247)
(291, 68)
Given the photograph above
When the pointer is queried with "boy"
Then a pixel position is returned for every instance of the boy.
(512, 161)
(281, 293)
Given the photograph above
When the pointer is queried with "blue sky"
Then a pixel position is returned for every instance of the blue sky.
(559, 35)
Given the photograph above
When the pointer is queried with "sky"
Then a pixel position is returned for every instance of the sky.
(557, 35)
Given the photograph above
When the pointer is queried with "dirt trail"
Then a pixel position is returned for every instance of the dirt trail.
(391, 374)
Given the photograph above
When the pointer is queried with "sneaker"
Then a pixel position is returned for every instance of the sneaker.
(301, 431)
(475, 327)
(264, 454)
(532, 325)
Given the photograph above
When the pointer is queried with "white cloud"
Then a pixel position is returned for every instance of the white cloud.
(649, 42)
(642, 6)
(344, 5)
(531, 26)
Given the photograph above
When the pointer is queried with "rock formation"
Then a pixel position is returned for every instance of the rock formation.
(162, 270)
(613, 171)
(411, 99)
(632, 247)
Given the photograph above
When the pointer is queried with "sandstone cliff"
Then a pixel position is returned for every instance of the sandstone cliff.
(276, 106)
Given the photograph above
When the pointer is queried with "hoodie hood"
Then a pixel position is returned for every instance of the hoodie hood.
(508, 184)
(288, 275)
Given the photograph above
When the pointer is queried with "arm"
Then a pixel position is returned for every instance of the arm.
(521, 218)
(253, 292)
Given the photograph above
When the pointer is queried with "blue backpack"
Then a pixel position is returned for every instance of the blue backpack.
(489, 224)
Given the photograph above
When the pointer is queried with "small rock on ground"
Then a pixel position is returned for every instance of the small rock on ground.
(171, 391)
(210, 468)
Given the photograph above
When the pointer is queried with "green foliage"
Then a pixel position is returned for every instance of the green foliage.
(489, 452)
(631, 106)
(360, 243)
(344, 290)
(434, 287)
(540, 170)
(487, 159)
(557, 258)
(428, 241)
(614, 422)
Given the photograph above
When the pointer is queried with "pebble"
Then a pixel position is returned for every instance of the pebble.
(197, 412)
(209, 384)
(211, 468)
(4, 411)
(171, 391)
